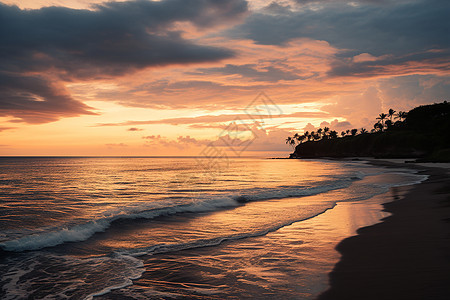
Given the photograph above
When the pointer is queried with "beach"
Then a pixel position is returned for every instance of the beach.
(407, 256)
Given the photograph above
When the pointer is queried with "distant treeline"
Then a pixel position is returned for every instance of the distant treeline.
(423, 132)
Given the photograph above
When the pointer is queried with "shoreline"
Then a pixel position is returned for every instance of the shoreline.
(406, 256)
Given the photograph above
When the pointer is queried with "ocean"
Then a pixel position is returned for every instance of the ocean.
(171, 228)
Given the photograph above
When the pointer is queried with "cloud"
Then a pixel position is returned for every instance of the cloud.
(2, 128)
(217, 119)
(134, 129)
(113, 145)
(406, 92)
(35, 99)
(336, 125)
(270, 73)
(406, 30)
(400, 93)
(432, 61)
(192, 141)
(59, 44)
(309, 127)
(181, 142)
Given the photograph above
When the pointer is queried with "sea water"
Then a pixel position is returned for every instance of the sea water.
(143, 228)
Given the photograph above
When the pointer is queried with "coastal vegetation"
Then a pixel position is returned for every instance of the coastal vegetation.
(423, 133)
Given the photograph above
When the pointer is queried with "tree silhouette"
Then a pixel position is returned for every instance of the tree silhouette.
(288, 140)
(333, 134)
(382, 117)
(307, 135)
(319, 132)
(391, 113)
(384, 122)
(388, 124)
(401, 115)
(378, 126)
(293, 143)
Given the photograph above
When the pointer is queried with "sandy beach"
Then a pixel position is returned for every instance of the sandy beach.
(407, 256)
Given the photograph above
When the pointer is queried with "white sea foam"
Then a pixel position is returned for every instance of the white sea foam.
(95, 276)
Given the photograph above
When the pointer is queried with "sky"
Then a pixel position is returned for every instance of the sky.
(210, 77)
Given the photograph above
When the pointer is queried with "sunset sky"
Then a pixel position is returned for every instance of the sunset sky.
(170, 77)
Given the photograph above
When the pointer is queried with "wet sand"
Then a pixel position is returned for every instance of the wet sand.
(407, 256)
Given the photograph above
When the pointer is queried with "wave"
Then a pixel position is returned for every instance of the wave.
(199, 243)
(81, 232)
(106, 273)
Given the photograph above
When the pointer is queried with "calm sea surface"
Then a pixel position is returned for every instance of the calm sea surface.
(161, 228)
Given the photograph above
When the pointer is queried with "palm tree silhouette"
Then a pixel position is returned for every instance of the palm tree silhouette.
(333, 134)
(307, 136)
(293, 143)
(378, 126)
(288, 140)
(363, 130)
(391, 113)
(388, 124)
(401, 115)
(319, 132)
(382, 117)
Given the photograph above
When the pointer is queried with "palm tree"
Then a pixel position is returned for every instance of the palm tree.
(388, 124)
(288, 140)
(401, 115)
(307, 136)
(382, 117)
(391, 113)
(343, 133)
(354, 131)
(300, 138)
(378, 126)
(293, 143)
(363, 130)
(333, 134)
(319, 132)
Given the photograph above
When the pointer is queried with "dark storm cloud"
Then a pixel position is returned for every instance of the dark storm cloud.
(270, 74)
(36, 100)
(390, 27)
(113, 39)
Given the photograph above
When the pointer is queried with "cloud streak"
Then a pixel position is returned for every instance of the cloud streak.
(215, 119)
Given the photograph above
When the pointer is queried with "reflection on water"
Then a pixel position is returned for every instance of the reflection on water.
(290, 263)
(79, 227)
